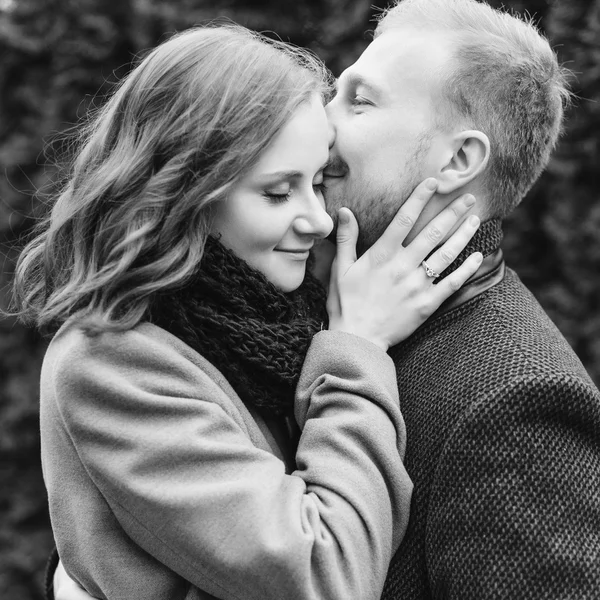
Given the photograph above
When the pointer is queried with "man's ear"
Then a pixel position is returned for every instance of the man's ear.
(471, 154)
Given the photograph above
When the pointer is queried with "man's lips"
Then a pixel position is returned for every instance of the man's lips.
(335, 169)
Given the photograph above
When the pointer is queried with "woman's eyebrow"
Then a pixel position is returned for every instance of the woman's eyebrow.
(285, 175)
(292, 174)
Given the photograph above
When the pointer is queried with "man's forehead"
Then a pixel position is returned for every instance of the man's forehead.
(397, 57)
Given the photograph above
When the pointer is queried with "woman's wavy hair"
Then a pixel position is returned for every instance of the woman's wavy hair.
(134, 214)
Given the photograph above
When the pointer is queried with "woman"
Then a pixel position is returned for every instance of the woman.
(200, 436)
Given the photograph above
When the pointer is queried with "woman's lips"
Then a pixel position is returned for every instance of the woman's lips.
(297, 253)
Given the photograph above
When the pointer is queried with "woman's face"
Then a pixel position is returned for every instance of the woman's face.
(275, 213)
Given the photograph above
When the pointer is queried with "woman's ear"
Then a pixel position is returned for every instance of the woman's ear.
(471, 153)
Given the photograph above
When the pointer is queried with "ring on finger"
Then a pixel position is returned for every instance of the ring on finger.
(430, 272)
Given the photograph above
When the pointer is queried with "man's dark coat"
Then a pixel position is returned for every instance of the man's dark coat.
(503, 448)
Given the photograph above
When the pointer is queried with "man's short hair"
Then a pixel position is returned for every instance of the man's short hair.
(505, 81)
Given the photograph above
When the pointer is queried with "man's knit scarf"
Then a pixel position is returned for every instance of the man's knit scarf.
(256, 335)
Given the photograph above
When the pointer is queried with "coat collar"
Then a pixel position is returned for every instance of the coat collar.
(491, 272)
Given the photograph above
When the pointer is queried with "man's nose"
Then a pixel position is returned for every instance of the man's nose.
(330, 111)
(330, 127)
(331, 135)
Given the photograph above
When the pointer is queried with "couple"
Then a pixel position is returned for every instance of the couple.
(173, 464)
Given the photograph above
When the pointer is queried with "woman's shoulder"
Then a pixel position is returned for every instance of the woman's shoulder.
(143, 355)
(145, 341)
(146, 369)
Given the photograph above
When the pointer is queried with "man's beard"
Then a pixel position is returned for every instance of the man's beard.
(375, 204)
(374, 211)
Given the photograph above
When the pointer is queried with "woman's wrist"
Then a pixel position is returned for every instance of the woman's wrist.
(355, 329)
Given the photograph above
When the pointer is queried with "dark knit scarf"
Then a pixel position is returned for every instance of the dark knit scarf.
(256, 335)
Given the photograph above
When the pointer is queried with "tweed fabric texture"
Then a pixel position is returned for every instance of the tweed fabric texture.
(503, 427)
(256, 335)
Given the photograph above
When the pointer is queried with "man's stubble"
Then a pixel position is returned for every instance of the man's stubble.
(375, 203)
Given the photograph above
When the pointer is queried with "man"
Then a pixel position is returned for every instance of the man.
(503, 421)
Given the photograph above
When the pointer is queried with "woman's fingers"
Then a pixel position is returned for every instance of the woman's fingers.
(385, 295)
(346, 237)
(437, 229)
(392, 238)
(441, 259)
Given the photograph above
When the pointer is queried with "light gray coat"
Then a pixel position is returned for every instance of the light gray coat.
(162, 484)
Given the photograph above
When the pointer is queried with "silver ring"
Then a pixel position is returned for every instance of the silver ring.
(430, 272)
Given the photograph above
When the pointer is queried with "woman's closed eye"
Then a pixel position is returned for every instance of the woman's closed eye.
(277, 198)
(278, 194)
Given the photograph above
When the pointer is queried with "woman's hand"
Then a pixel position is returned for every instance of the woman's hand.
(386, 294)
(67, 589)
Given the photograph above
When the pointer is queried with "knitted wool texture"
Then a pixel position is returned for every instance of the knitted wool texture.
(503, 429)
(256, 335)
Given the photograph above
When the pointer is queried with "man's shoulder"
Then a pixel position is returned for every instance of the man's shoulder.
(496, 344)
(513, 323)
(504, 328)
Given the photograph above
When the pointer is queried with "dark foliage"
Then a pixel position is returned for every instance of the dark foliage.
(60, 56)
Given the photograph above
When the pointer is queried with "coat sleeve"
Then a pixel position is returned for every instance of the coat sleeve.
(515, 506)
(187, 485)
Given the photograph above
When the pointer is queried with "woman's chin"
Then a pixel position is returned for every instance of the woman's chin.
(289, 282)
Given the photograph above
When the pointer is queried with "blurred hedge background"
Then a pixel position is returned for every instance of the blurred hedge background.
(60, 56)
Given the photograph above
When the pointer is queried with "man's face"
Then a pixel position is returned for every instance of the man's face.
(383, 119)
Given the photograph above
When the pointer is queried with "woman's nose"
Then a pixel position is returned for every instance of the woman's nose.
(315, 221)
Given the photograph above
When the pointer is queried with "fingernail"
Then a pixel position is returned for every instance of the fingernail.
(469, 200)
(343, 217)
(478, 257)
(431, 183)
(474, 220)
